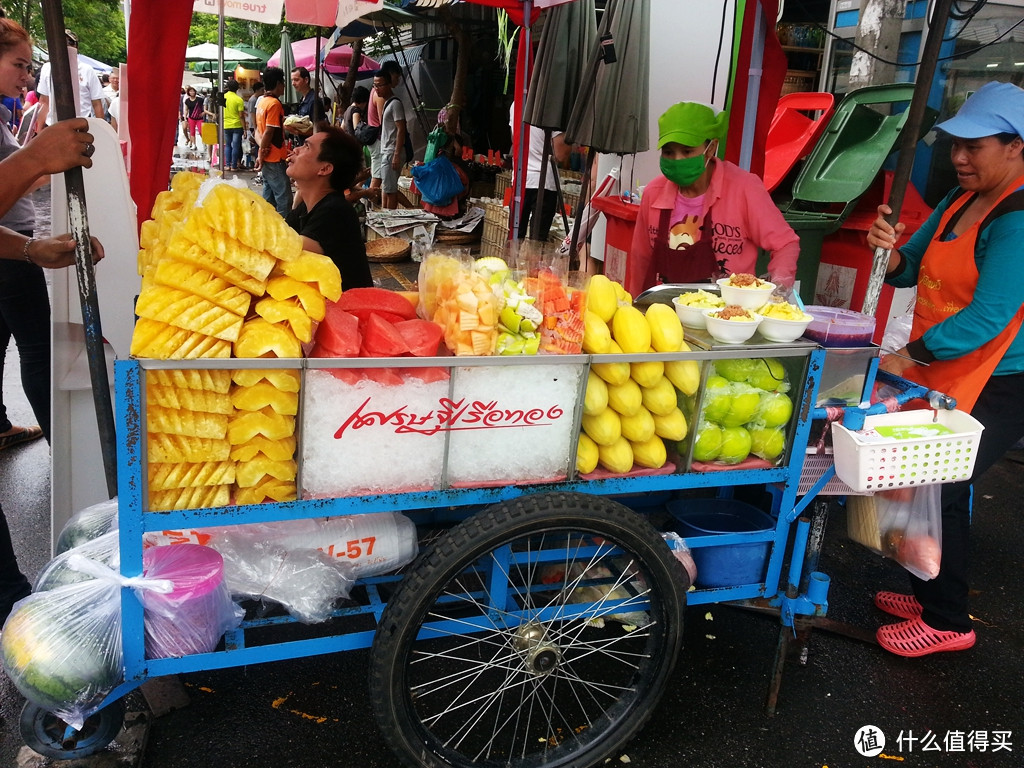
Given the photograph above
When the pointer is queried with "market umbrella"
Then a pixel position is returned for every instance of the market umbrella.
(286, 61)
(336, 62)
(258, 62)
(212, 52)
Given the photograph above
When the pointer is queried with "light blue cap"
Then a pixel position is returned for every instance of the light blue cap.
(993, 108)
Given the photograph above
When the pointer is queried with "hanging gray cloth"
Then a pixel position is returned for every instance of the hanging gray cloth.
(610, 114)
(568, 37)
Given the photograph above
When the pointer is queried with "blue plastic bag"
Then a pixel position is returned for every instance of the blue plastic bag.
(438, 181)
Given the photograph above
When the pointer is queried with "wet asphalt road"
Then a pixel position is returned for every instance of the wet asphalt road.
(314, 713)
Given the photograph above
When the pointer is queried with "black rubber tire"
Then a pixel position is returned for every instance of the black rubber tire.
(44, 732)
(555, 691)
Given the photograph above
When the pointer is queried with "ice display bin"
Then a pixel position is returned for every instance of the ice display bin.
(621, 219)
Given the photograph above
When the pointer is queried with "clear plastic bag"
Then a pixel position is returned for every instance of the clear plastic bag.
(197, 612)
(682, 553)
(904, 525)
(87, 524)
(57, 573)
(62, 648)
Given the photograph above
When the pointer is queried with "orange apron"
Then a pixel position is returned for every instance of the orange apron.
(945, 285)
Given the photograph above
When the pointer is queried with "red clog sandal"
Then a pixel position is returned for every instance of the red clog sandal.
(914, 638)
(895, 604)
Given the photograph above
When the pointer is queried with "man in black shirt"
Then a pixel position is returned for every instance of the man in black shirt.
(322, 169)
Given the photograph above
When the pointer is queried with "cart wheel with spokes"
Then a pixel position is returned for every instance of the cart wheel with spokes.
(539, 632)
(50, 736)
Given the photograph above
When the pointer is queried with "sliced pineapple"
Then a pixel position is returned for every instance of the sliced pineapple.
(262, 395)
(181, 448)
(160, 341)
(285, 379)
(270, 489)
(245, 425)
(163, 477)
(288, 311)
(313, 268)
(252, 472)
(202, 497)
(285, 287)
(186, 277)
(182, 249)
(258, 338)
(190, 423)
(278, 450)
(211, 381)
(189, 399)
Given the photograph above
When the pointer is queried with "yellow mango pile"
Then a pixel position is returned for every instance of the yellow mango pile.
(630, 409)
(224, 278)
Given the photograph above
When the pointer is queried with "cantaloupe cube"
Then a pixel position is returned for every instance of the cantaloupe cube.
(468, 321)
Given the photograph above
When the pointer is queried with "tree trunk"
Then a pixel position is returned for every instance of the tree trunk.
(458, 99)
(344, 96)
(878, 31)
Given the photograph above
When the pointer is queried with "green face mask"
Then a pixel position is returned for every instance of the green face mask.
(685, 171)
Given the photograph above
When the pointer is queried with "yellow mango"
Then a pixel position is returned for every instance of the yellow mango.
(603, 428)
(659, 399)
(586, 455)
(650, 453)
(630, 330)
(666, 329)
(596, 336)
(626, 398)
(671, 426)
(613, 373)
(684, 375)
(638, 427)
(616, 457)
(596, 398)
(602, 298)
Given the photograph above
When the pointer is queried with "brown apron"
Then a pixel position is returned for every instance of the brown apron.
(696, 264)
(946, 281)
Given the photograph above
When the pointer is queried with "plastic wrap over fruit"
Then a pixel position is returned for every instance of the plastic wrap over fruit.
(87, 524)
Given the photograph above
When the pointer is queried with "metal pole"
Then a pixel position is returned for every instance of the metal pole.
(63, 98)
(908, 144)
(220, 84)
(519, 178)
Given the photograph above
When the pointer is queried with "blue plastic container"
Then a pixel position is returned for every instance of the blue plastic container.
(728, 565)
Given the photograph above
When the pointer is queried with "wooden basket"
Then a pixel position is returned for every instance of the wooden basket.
(388, 249)
(451, 237)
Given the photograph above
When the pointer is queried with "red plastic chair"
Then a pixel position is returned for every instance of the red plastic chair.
(792, 134)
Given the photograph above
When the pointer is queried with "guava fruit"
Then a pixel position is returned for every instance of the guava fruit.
(775, 409)
(745, 402)
(735, 370)
(707, 443)
(717, 398)
(735, 445)
(767, 442)
(766, 373)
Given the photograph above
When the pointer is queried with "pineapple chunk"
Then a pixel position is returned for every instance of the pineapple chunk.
(252, 472)
(163, 477)
(271, 489)
(313, 268)
(182, 249)
(278, 450)
(284, 287)
(185, 277)
(202, 497)
(258, 338)
(188, 311)
(189, 399)
(211, 381)
(248, 424)
(161, 341)
(285, 379)
(287, 311)
(265, 394)
(181, 448)
(190, 423)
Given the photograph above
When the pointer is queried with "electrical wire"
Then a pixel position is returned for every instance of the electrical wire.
(718, 55)
(958, 15)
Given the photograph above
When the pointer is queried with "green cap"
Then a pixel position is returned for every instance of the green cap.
(690, 123)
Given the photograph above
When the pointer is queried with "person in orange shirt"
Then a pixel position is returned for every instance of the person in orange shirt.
(273, 155)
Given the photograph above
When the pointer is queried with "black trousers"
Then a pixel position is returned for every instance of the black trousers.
(13, 584)
(944, 598)
(547, 214)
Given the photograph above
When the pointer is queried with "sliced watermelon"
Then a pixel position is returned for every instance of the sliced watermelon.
(388, 377)
(382, 339)
(338, 333)
(350, 376)
(376, 300)
(421, 336)
(427, 375)
(366, 314)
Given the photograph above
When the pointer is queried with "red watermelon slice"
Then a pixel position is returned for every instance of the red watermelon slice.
(381, 339)
(388, 377)
(366, 314)
(421, 336)
(427, 375)
(376, 300)
(338, 333)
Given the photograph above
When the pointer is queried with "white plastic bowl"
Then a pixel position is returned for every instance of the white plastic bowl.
(783, 331)
(730, 331)
(748, 298)
(691, 317)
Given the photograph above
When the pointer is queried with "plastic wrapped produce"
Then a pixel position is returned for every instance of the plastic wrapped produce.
(57, 573)
(197, 612)
(87, 524)
(62, 648)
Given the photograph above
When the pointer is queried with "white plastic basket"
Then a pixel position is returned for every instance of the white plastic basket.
(868, 461)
